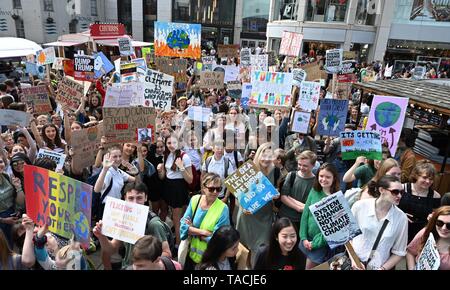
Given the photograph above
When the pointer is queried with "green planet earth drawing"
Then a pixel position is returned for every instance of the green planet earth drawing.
(387, 114)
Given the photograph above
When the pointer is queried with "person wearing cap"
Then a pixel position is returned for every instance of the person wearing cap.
(264, 133)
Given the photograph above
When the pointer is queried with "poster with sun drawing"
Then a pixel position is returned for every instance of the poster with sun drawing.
(177, 39)
(300, 122)
(332, 117)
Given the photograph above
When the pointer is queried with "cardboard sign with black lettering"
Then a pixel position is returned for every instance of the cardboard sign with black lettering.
(211, 80)
(335, 220)
(69, 94)
(125, 46)
(59, 158)
(245, 57)
(429, 258)
(333, 61)
(37, 99)
(158, 89)
(174, 67)
(229, 50)
(85, 144)
(120, 124)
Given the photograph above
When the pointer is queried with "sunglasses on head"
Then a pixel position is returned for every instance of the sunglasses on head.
(212, 189)
(440, 224)
(396, 192)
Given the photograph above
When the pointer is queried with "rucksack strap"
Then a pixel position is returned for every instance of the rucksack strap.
(108, 189)
(236, 159)
(227, 166)
(208, 161)
(168, 264)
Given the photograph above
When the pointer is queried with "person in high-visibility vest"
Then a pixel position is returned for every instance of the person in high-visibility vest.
(204, 215)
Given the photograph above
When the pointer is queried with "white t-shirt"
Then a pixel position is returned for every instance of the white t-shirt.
(119, 178)
(394, 239)
(218, 167)
(231, 157)
(177, 174)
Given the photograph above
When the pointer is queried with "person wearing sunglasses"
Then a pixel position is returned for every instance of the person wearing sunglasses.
(372, 215)
(204, 215)
(439, 226)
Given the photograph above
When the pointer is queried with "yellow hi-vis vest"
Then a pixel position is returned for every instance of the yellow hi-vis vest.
(198, 246)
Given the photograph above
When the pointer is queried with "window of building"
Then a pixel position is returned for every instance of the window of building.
(211, 12)
(94, 11)
(150, 15)
(287, 9)
(327, 10)
(73, 26)
(20, 28)
(365, 14)
(17, 4)
(255, 14)
(48, 5)
(124, 14)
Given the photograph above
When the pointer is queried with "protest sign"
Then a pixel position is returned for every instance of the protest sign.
(61, 202)
(125, 47)
(59, 158)
(388, 71)
(360, 143)
(335, 220)
(145, 135)
(137, 92)
(208, 63)
(120, 124)
(69, 93)
(124, 221)
(251, 187)
(234, 89)
(309, 95)
(198, 113)
(102, 65)
(348, 67)
(83, 67)
(298, 76)
(68, 67)
(37, 99)
(245, 74)
(148, 54)
(230, 50)
(211, 80)
(349, 55)
(259, 62)
(419, 73)
(177, 39)
(14, 117)
(245, 57)
(300, 122)
(429, 258)
(271, 89)
(58, 63)
(231, 72)
(85, 144)
(386, 116)
(141, 65)
(291, 43)
(246, 94)
(158, 89)
(174, 67)
(45, 56)
(333, 61)
(117, 97)
(332, 117)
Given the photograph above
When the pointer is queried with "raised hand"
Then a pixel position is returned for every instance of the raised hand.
(107, 163)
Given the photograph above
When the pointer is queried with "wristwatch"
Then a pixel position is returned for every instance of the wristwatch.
(182, 169)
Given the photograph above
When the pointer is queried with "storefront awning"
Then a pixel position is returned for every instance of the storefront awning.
(63, 43)
(17, 47)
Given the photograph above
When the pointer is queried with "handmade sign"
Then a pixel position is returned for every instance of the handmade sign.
(61, 202)
(141, 65)
(70, 93)
(45, 56)
(174, 67)
(102, 65)
(14, 117)
(332, 117)
(137, 93)
(335, 220)
(177, 39)
(386, 116)
(158, 89)
(37, 99)
(300, 122)
(58, 63)
(125, 47)
(145, 135)
(68, 67)
(234, 89)
(291, 43)
(348, 67)
(124, 221)
(429, 258)
(245, 57)
(259, 62)
(211, 80)
(246, 94)
(314, 72)
(298, 76)
(231, 72)
(117, 97)
(309, 95)
(229, 50)
(251, 187)
(334, 61)
(120, 124)
(208, 63)
(148, 54)
(83, 68)
(59, 158)
(271, 89)
(85, 144)
(360, 143)
(198, 113)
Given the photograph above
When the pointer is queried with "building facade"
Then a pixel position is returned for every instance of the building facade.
(374, 29)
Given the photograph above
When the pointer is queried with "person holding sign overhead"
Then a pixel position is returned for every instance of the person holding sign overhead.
(439, 226)
(313, 243)
(384, 227)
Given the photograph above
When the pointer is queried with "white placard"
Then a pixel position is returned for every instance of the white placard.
(158, 90)
(200, 114)
(300, 122)
(429, 258)
(59, 158)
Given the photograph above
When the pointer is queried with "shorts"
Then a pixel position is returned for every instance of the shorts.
(175, 193)
(317, 256)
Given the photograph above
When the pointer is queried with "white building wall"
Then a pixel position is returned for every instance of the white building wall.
(137, 17)
(238, 21)
(7, 24)
(164, 10)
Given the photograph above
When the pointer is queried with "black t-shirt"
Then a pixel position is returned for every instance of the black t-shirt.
(281, 263)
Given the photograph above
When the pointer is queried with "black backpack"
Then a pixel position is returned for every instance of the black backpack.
(169, 235)
(168, 264)
(97, 197)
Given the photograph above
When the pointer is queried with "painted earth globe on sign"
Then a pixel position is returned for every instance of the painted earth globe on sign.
(178, 39)
(387, 114)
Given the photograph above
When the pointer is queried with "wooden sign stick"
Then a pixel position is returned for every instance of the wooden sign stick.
(352, 253)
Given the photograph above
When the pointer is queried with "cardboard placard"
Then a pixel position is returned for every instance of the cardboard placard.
(198, 113)
(178, 39)
(211, 80)
(229, 50)
(259, 62)
(13, 117)
(300, 122)
(298, 76)
(245, 57)
(83, 67)
(291, 43)
(175, 67)
(125, 47)
(85, 144)
(37, 98)
(333, 61)
(102, 65)
(70, 93)
(46, 56)
(59, 158)
(309, 95)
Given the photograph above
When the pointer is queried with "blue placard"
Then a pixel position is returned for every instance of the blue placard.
(258, 193)
(332, 116)
(102, 65)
